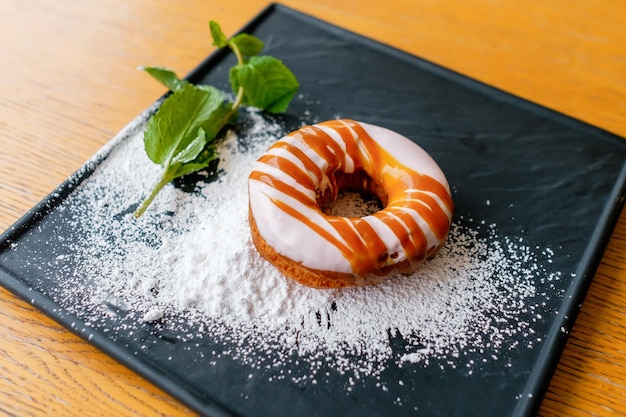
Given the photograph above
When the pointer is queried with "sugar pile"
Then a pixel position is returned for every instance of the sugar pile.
(191, 260)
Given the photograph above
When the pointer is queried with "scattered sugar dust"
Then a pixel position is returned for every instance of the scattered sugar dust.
(189, 265)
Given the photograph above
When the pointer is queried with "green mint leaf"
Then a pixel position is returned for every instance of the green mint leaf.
(166, 77)
(175, 125)
(219, 39)
(192, 150)
(267, 83)
(219, 118)
(202, 161)
(248, 45)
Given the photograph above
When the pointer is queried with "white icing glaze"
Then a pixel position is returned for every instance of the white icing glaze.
(406, 152)
(288, 236)
(307, 236)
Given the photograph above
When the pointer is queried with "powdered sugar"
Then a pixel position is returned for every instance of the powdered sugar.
(189, 264)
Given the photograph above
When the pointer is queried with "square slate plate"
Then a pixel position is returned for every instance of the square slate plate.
(552, 180)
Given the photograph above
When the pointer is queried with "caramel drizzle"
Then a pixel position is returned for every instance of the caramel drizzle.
(359, 243)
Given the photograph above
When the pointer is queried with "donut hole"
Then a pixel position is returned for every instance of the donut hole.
(357, 195)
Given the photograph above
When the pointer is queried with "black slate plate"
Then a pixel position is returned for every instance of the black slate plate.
(552, 180)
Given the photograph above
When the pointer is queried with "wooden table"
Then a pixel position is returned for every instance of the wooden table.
(68, 83)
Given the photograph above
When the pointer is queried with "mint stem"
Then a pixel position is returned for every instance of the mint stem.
(165, 179)
(235, 106)
(239, 99)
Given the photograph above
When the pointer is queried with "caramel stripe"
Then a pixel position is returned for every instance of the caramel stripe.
(326, 147)
(410, 246)
(298, 153)
(416, 234)
(430, 211)
(285, 165)
(321, 135)
(380, 157)
(375, 245)
(319, 145)
(348, 139)
(283, 187)
(345, 250)
(363, 240)
(347, 136)
(347, 230)
(426, 183)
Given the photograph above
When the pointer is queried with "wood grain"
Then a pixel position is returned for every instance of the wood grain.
(68, 83)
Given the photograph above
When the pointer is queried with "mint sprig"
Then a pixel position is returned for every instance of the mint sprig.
(180, 135)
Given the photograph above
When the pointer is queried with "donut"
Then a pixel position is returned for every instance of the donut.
(295, 179)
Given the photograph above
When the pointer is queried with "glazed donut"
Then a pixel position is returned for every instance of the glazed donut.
(301, 173)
